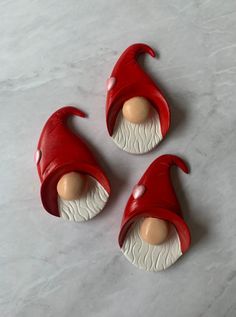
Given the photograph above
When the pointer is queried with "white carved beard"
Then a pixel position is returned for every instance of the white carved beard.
(137, 138)
(92, 201)
(151, 257)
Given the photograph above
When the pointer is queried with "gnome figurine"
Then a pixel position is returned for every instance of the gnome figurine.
(153, 233)
(137, 113)
(73, 185)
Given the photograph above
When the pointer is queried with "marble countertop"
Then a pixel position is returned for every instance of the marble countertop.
(54, 53)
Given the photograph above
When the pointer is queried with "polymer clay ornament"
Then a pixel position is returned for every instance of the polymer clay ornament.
(137, 113)
(153, 233)
(73, 185)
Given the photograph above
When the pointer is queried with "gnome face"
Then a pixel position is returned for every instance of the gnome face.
(73, 184)
(137, 128)
(153, 233)
(141, 249)
(137, 113)
(80, 198)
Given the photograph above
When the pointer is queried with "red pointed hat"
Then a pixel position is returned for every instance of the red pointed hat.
(154, 196)
(59, 152)
(128, 80)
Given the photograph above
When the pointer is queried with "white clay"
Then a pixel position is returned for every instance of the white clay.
(138, 191)
(151, 257)
(137, 138)
(90, 203)
(110, 83)
(37, 156)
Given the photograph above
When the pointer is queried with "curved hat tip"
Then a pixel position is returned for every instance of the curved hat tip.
(141, 48)
(180, 163)
(66, 111)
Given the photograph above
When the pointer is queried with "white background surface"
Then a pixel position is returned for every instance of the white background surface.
(61, 52)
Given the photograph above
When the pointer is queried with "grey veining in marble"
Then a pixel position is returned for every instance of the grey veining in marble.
(61, 52)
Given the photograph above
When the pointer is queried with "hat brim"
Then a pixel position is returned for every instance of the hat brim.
(49, 194)
(161, 213)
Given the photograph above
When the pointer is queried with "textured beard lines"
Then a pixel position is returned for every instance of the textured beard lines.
(88, 206)
(149, 257)
(137, 138)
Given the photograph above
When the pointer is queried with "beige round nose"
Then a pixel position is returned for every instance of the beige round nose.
(154, 231)
(136, 109)
(70, 186)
